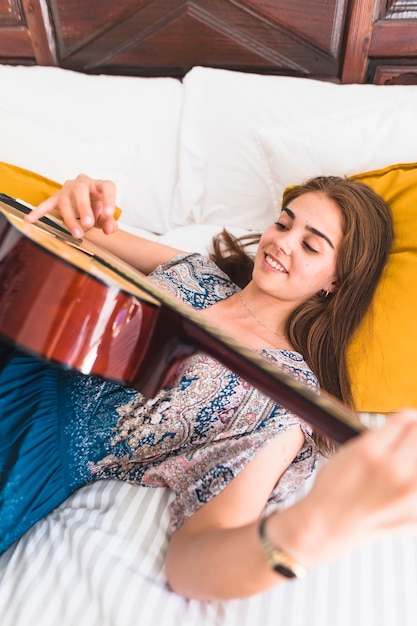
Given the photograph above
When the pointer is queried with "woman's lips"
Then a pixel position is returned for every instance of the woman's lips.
(274, 263)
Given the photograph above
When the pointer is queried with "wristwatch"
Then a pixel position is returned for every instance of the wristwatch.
(277, 559)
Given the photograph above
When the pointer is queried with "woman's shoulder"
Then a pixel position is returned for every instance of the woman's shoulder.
(294, 364)
(195, 279)
(191, 261)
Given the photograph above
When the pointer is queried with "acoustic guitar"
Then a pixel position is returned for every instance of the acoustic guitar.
(77, 306)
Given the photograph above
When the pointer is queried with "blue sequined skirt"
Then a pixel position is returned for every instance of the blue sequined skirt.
(53, 422)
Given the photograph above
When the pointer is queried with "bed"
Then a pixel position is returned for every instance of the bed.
(190, 155)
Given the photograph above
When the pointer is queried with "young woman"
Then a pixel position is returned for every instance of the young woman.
(223, 447)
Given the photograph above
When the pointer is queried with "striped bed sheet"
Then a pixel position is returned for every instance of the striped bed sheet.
(98, 560)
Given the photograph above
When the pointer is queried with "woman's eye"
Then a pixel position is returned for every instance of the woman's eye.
(309, 248)
(281, 226)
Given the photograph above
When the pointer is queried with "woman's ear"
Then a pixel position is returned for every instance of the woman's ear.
(333, 287)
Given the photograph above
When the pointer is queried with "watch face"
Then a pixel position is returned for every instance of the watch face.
(284, 571)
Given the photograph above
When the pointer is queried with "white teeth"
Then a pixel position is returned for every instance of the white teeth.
(274, 264)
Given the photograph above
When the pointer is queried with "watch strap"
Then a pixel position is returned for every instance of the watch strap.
(277, 559)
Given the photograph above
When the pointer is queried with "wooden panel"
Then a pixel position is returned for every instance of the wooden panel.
(41, 31)
(160, 36)
(395, 75)
(78, 22)
(380, 34)
(16, 46)
(399, 38)
(11, 13)
(393, 48)
(339, 40)
(359, 31)
(400, 9)
(316, 21)
(14, 32)
(26, 34)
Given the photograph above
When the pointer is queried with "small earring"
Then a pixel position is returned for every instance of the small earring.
(325, 294)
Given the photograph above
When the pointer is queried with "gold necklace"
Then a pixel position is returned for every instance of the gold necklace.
(258, 320)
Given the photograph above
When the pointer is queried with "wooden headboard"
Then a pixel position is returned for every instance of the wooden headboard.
(347, 41)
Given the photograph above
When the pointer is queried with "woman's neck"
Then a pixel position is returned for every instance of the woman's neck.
(236, 316)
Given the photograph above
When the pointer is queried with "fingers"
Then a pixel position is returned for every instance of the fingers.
(372, 480)
(105, 198)
(401, 450)
(81, 203)
(74, 206)
(42, 209)
(382, 473)
(388, 453)
(108, 225)
(394, 437)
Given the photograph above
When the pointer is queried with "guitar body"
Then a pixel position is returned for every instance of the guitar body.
(60, 303)
(74, 304)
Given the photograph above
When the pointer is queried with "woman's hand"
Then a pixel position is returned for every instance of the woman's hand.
(81, 203)
(368, 487)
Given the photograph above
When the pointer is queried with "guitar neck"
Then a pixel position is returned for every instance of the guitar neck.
(324, 412)
(48, 223)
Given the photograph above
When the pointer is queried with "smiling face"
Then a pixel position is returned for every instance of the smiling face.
(297, 256)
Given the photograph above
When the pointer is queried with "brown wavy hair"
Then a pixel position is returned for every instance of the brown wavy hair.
(322, 328)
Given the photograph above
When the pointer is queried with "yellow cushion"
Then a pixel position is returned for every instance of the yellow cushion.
(382, 357)
(28, 186)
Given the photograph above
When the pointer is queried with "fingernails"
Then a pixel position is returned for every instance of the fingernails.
(109, 210)
(88, 221)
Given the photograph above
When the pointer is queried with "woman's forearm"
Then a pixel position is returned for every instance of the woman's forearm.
(220, 564)
(230, 563)
(142, 254)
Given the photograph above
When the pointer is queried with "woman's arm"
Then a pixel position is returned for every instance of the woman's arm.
(84, 203)
(143, 254)
(216, 553)
(370, 486)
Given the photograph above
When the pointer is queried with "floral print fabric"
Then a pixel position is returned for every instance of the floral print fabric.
(198, 434)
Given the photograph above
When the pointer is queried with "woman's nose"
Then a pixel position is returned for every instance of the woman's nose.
(284, 247)
(285, 243)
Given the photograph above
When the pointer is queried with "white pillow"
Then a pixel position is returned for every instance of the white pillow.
(59, 154)
(223, 179)
(130, 110)
(196, 237)
(360, 140)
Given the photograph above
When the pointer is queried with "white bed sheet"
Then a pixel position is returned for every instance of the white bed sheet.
(97, 560)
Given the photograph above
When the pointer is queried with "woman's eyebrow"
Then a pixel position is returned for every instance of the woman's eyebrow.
(311, 229)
